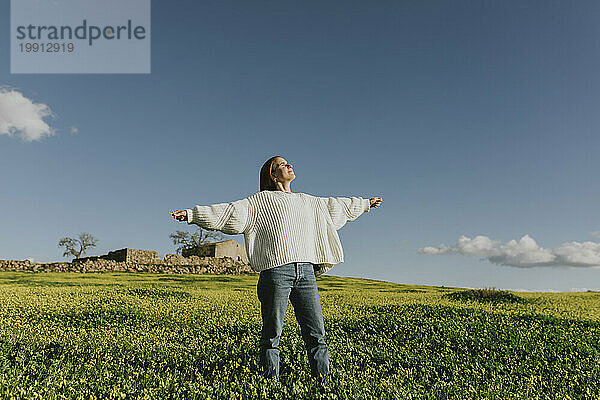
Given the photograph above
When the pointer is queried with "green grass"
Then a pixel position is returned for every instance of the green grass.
(161, 336)
(490, 295)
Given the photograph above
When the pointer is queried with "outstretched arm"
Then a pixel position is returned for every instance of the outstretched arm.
(230, 218)
(344, 209)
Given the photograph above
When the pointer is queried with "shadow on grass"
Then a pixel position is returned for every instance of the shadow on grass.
(157, 293)
(485, 296)
(203, 279)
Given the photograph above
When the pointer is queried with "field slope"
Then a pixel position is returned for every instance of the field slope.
(147, 336)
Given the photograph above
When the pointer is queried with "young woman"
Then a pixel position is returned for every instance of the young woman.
(291, 238)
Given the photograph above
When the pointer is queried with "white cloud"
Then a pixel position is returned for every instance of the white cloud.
(523, 253)
(74, 130)
(442, 249)
(21, 117)
(479, 245)
(579, 254)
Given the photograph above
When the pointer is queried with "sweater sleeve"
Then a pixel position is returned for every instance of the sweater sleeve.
(230, 218)
(344, 209)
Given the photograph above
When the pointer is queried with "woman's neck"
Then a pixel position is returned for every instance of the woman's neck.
(283, 187)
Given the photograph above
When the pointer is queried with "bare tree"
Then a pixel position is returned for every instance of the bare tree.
(189, 240)
(77, 247)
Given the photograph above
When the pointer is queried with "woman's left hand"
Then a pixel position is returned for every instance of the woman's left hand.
(375, 201)
(179, 215)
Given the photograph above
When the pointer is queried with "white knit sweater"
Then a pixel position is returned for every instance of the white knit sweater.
(281, 227)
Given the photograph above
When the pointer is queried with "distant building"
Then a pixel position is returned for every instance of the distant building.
(127, 255)
(227, 248)
(133, 255)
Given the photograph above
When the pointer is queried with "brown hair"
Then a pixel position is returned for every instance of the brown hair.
(266, 182)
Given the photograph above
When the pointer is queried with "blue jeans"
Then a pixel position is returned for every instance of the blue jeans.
(296, 282)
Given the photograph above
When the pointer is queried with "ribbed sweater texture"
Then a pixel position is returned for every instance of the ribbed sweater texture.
(284, 227)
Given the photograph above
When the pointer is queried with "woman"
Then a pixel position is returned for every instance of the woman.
(291, 238)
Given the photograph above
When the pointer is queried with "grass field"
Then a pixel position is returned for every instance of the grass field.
(147, 336)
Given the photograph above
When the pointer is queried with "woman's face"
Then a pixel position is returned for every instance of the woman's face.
(282, 171)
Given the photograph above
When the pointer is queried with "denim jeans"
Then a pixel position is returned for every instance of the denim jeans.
(296, 282)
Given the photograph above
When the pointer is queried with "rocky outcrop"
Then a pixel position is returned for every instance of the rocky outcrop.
(172, 264)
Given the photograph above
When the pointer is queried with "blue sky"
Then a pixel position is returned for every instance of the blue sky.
(468, 118)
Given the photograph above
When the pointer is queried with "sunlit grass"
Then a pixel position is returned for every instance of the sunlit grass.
(123, 335)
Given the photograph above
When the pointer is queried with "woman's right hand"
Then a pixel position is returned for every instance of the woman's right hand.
(180, 215)
(375, 201)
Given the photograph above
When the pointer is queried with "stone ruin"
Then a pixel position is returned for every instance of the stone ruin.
(126, 255)
(215, 258)
(226, 248)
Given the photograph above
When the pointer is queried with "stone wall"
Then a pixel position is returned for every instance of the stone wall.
(206, 250)
(134, 256)
(172, 264)
(231, 248)
(127, 255)
(227, 248)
